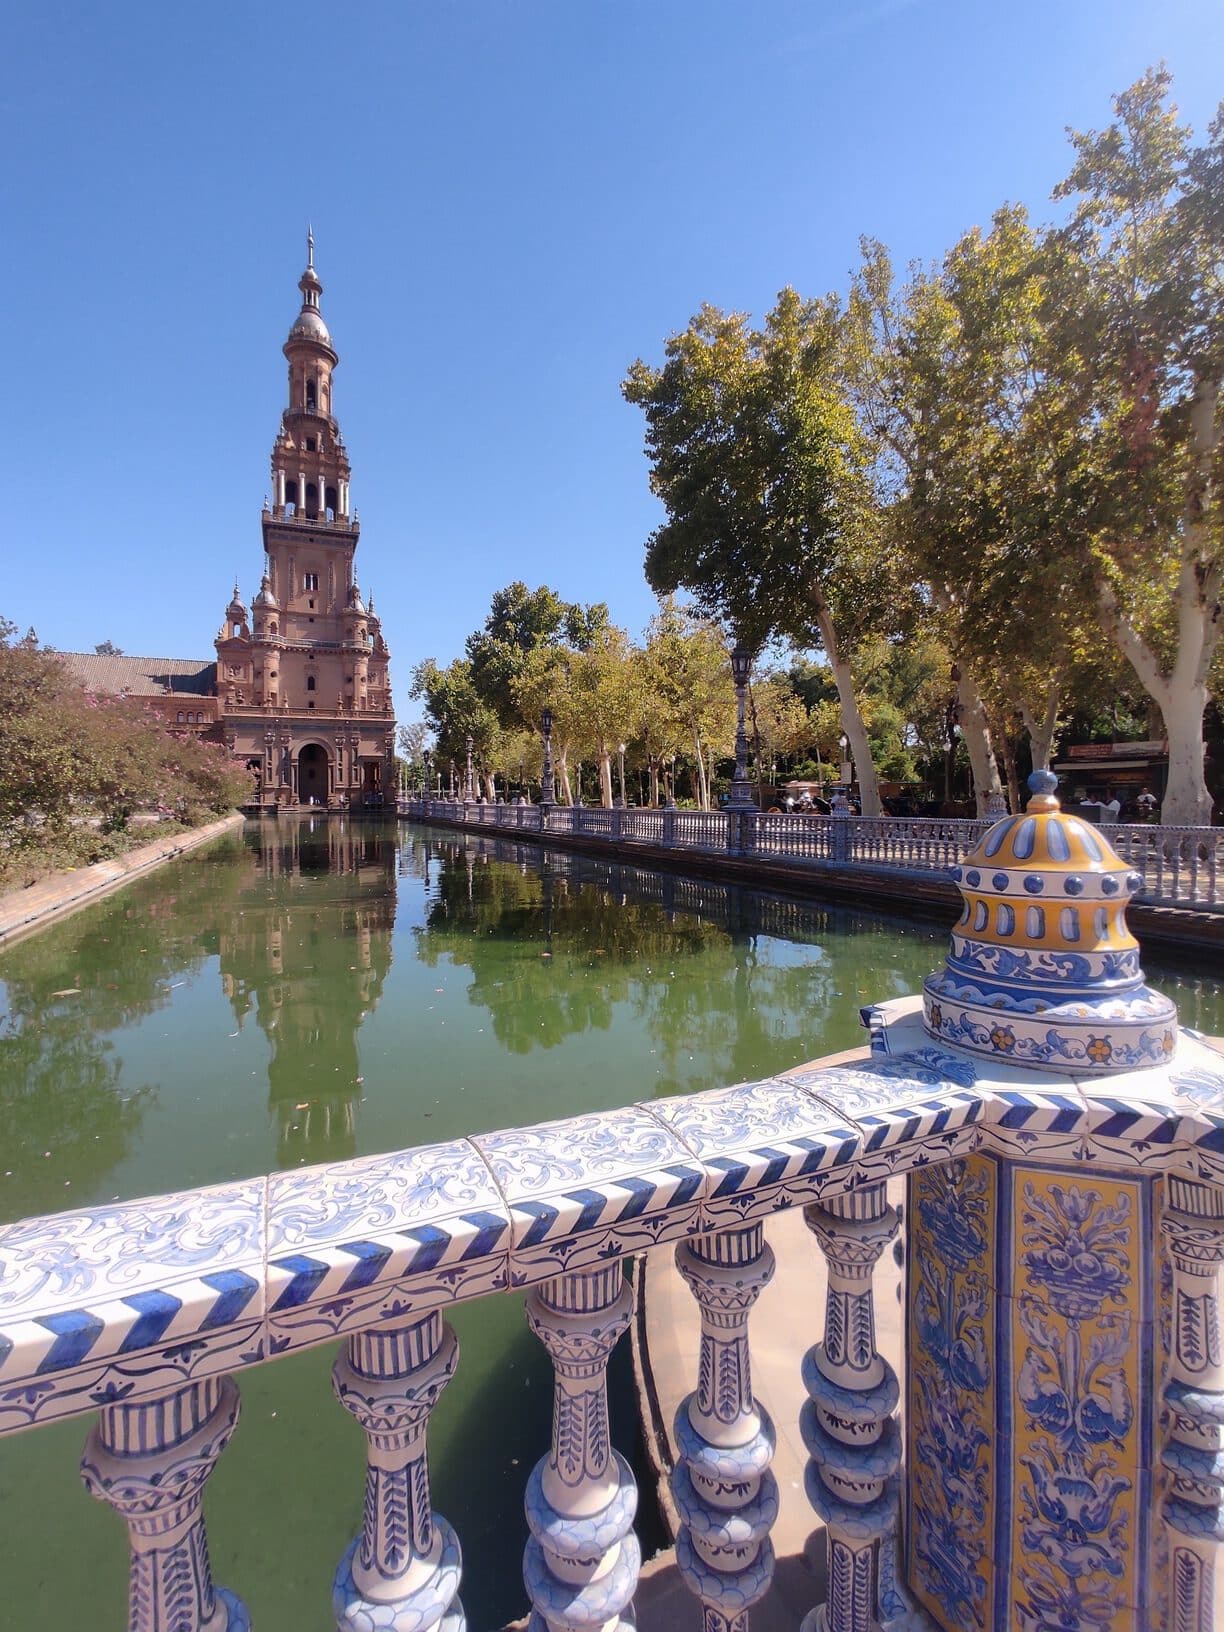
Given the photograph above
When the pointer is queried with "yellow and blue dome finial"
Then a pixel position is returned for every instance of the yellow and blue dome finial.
(1042, 969)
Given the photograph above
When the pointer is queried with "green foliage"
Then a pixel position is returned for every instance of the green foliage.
(75, 767)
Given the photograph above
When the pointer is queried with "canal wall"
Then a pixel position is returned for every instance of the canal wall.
(1184, 930)
(25, 910)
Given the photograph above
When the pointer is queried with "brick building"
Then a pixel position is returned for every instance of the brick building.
(300, 690)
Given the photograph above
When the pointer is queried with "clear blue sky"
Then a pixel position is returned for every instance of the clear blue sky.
(511, 201)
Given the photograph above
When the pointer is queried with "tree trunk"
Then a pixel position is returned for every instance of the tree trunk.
(1041, 731)
(852, 719)
(561, 772)
(654, 781)
(605, 779)
(1015, 798)
(1182, 692)
(1181, 695)
(975, 727)
(697, 778)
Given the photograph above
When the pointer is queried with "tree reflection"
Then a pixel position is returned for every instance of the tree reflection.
(556, 943)
(66, 1118)
(305, 950)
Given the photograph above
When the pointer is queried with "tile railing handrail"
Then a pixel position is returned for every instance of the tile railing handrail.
(262, 1266)
(144, 1312)
(1180, 866)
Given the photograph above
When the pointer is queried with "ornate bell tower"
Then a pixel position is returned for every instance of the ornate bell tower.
(306, 693)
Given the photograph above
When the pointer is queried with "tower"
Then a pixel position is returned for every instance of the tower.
(305, 684)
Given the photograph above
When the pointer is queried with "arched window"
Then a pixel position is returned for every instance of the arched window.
(330, 503)
(272, 627)
(310, 682)
(291, 497)
(312, 499)
(310, 394)
(179, 721)
(237, 631)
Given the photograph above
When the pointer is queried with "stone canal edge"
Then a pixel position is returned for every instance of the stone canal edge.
(24, 910)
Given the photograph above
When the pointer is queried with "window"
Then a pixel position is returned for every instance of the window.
(237, 630)
(179, 721)
(310, 682)
(310, 581)
(311, 444)
(310, 393)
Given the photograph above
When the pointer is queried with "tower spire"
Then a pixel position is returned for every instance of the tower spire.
(309, 246)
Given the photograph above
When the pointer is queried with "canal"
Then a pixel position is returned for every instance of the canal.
(315, 989)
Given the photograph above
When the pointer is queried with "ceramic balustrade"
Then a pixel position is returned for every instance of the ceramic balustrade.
(1181, 867)
(725, 1494)
(142, 1310)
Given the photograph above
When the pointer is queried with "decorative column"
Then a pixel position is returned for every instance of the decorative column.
(740, 796)
(402, 1572)
(150, 1462)
(467, 786)
(1193, 1223)
(848, 1425)
(725, 1494)
(547, 789)
(582, 1559)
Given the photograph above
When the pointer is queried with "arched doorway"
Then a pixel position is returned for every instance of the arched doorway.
(312, 775)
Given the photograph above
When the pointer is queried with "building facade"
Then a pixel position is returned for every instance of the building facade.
(303, 679)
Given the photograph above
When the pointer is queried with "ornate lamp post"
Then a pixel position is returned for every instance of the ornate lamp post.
(621, 755)
(741, 789)
(467, 786)
(546, 775)
(452, 779)
(427, 756)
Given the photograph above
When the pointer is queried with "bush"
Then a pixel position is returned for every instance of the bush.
(76, 767)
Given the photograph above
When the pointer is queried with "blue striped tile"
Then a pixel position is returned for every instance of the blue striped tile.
(307, 1274)
(236, 1289)
(76, 1332)
(156, 1310)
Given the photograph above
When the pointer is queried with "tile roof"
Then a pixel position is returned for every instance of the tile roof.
(143, 676)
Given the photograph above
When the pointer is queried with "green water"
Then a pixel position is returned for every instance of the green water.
(313, 990)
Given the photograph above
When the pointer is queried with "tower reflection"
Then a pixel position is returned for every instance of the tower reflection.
(306, 951)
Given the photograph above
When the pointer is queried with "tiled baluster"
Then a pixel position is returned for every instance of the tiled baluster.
(150, 1462)
(849, 1425)
(726, 1497)
(581, 1563)
(402, 1572)
(1193, 1222)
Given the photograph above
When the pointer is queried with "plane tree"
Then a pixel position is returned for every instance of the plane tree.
(762, 468)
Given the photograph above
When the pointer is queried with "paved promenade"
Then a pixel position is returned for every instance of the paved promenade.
(25, 910)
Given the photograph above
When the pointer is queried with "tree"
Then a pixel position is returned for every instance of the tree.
(762, 468)
(520, 622)
(1136, 316)
(691, 701)
(107, 648)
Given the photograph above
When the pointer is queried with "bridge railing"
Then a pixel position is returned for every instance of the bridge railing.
(1180, 866)
(144, 1316)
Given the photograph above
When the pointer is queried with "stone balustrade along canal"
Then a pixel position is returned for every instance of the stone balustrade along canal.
(1061, 1139)
(1180, 867)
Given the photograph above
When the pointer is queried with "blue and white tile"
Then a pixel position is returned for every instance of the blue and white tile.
(755, 1137)
(344, 1236)
(48, 1397)
(619, 1181)
(142, 1276)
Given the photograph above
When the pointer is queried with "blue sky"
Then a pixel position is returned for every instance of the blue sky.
(511, 201)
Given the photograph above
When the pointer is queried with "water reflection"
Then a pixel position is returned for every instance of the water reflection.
(305, 951)
(558, 943)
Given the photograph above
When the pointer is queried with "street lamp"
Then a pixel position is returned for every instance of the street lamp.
(621, 753)
(740, 797)
(467, 787)
(427, 756)
(546, 774)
